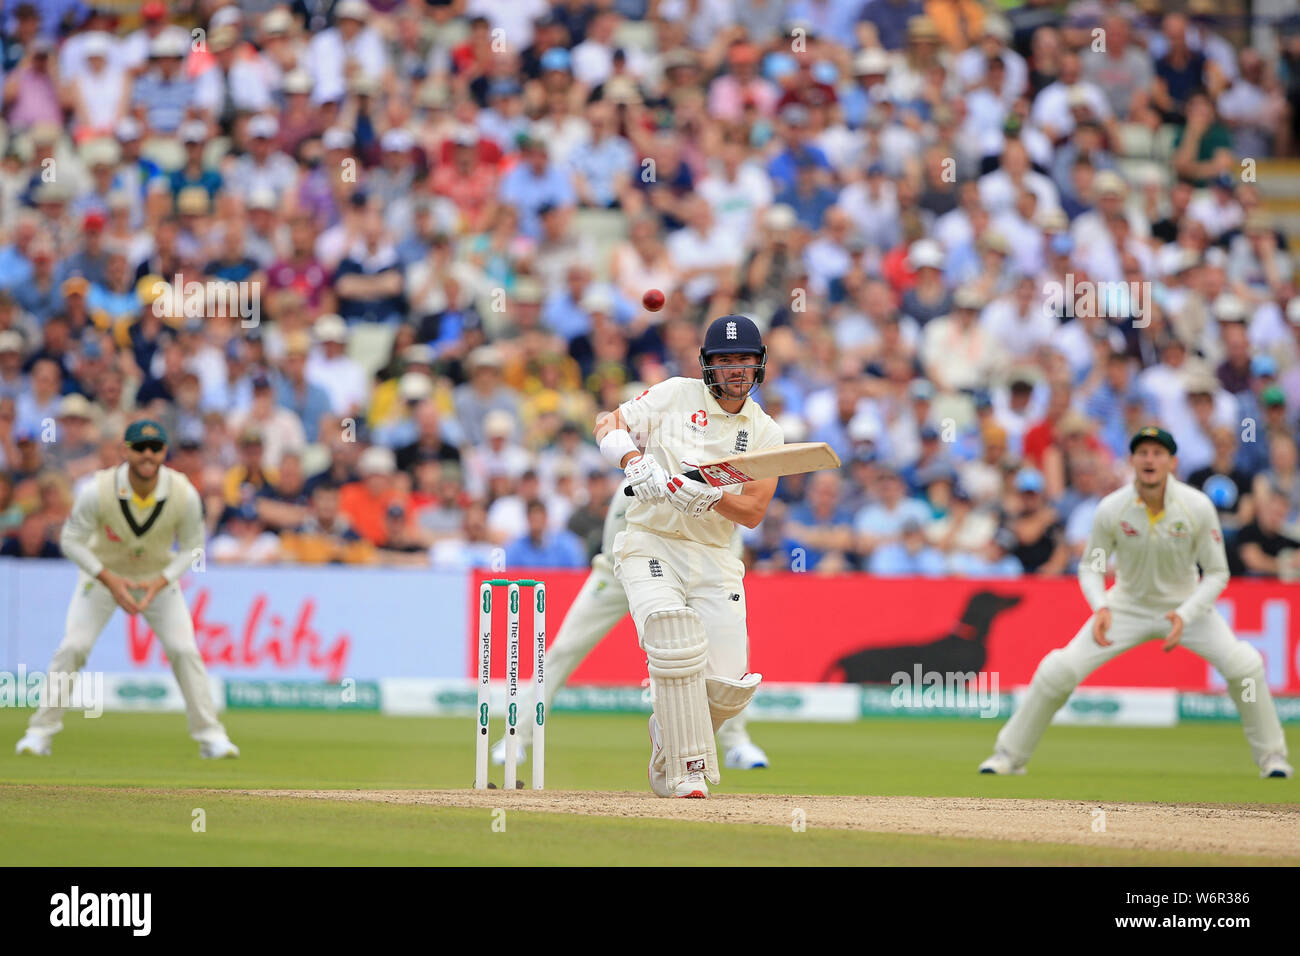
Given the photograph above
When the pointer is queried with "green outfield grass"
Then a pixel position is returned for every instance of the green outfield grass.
(80, 806)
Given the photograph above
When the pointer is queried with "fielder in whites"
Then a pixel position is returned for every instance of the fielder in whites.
(600, 605)
(684, 586)
(1158, 530)
(120, 534)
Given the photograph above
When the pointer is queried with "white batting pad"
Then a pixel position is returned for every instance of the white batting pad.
(728, 697)
(677, 649)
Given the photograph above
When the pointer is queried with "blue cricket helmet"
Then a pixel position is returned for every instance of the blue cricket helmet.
(729, 335)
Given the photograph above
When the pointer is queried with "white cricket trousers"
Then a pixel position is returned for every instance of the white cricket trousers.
(91, 606)
(1207, 636)
(599, 606)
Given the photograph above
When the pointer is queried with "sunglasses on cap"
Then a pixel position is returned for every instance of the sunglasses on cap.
(147, 446)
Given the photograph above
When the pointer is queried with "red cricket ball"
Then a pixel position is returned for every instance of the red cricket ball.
(653, 300)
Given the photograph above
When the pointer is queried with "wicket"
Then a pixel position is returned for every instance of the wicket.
(512, 680)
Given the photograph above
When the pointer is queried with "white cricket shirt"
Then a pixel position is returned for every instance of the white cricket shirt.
(1156, 556)
(680, 424)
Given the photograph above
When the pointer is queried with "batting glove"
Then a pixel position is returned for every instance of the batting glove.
(647, 479)
(691, 497)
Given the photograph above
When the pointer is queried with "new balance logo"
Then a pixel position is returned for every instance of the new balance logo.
(735, 597)
(742, 441)
(656, 571)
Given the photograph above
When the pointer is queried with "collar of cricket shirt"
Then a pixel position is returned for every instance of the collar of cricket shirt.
(1168, 500)
(127, 493)
(711, 405)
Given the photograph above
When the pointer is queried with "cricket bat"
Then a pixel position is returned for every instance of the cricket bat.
(793, 459)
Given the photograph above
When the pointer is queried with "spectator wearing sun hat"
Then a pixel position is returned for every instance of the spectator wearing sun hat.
(497, 454)
(41, 295)
(12, 378)
(343, 379)
(365, 502)
(264, 166)
(231, 78)
(352, 38)
(164, 92)
(958, 351)
(295, 391)
(75, 451)
(483, 393)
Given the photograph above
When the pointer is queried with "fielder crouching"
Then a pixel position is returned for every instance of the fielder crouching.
(1159, 530)
(120, 535)
(685, 588)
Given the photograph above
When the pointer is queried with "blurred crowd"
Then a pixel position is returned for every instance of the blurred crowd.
(377, 265)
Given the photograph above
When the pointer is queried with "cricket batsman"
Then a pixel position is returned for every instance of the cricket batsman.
(1158, 530)
(120, 534)
(684, 586)
(600, 605)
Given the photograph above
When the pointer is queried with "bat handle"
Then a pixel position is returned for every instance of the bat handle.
(694, 473)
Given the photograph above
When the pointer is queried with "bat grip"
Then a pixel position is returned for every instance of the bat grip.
(694, 473)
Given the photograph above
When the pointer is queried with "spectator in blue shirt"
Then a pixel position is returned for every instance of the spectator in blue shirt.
(881, 522)
(540, 548)
(857, 101)
(535, 182)
(933, 464)
(1109, 401)
(15, 260)
(799, 149)
(165, 92)
(604, 164)
(808, 197)
(305, 399)
(194, 135)
(116, 297)
(909, 556)
(54, 15)
(833, 19)
(821, 525)
(890, 17)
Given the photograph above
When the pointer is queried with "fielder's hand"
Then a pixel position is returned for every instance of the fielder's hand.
(1175, 632)
(647, 479)
(120, 588)
(151, 589)
(691, 497)
(1100, 625)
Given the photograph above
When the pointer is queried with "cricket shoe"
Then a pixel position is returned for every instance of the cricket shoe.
(748, 756)
(218, 749)
(658, 777)
(1001, 763)
(34, 744)
(692, 787)
(1275, 765)
(499, 752)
